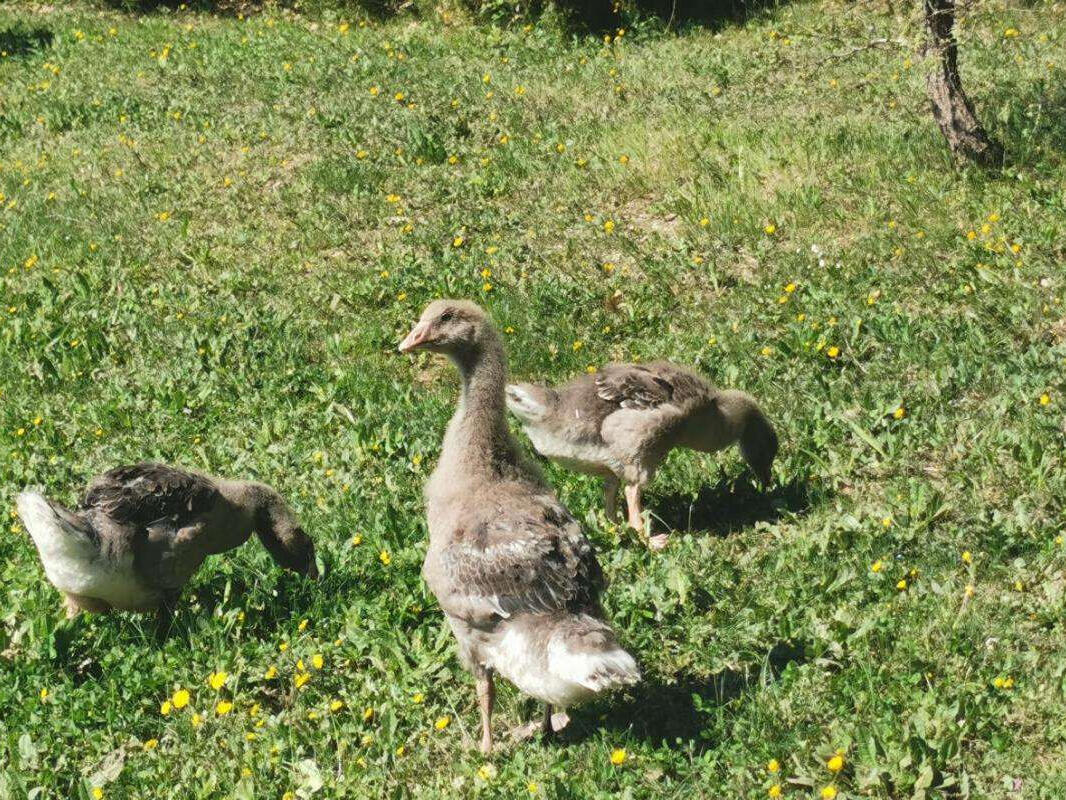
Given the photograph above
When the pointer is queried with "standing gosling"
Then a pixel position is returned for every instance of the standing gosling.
(141, 531)
(621, 422)
(517, 579)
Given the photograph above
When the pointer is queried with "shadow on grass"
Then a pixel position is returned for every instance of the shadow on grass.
(18, 41)
(674, 714)
(731, 504)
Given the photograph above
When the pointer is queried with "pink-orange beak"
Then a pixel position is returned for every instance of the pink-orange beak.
(415, 338)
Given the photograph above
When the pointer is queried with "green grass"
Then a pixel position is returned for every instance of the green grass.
(213, 235)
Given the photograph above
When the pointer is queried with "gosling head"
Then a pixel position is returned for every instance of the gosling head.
(284, 537)
(450, 327)
(758, 446)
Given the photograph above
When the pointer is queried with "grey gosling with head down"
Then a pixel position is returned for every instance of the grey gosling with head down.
(517, 579)
(141, 532)
(620, 423)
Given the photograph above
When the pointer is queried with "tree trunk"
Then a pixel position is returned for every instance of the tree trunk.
(952, 109)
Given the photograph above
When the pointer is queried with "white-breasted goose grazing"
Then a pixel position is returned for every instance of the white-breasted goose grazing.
(141, 531)
(621, 422)
(518, 581)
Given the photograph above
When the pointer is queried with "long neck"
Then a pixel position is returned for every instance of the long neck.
(479, 427)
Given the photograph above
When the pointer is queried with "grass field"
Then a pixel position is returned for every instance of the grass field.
(215, 229)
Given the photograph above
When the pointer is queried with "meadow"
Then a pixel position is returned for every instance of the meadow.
(216, 227)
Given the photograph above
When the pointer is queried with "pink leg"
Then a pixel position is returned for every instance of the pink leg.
(636, 519)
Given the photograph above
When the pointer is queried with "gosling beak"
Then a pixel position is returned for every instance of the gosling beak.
(416, 338)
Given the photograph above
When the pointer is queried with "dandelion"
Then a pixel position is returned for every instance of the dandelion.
(532, 787)
(486, 772)
(901, 584)
(773, 766)
(578, 345)
(1045, 399)
(300, 679)
(770, 229)
(1010, 33)
(835, 764)
(151, 744)
(790, 287)
(217, 680)
(317, 661)
(900, 412)
(832, 351)
(180, 698)
(967, 556)
(196, 721)
(385, 558)
(336, 705)
(442, 722)
(970, 590)
(418, 698)
(774, 791)
(357, 539)
(829, 793)
(271, 673)
(486, 287)
(623, 159)
(619, 756)
(608, 226)
(98, 793)
(877, 566)
(44, 693)
(458, 241)
(223, 707)
(886, 522)
(165, 707)
(368, 713)
(375, 91)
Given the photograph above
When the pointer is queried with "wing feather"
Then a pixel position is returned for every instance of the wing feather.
(140, 494)
(533, 560)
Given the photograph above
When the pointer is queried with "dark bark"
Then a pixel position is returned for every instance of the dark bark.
(951, 107)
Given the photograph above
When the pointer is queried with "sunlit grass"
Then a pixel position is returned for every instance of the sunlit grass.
(214, 231)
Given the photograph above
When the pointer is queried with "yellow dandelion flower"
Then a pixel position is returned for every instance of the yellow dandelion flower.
(608, 226)
(486, 772)
(901, 584)
(271, 673)
(1045, 399)
(44, 694)
(300, 679)
(336, 705)
(368, 713)
(877, 566)
(829, 793)
(773, 765)
(900, 412)
(223, 707)
(165, 707)
(833, 351)
(770, 229)
(532, 787)
(835, 764)
(418, 698)
(317, 661)
(196, 720)
(385, 558)
(98, 793)
(967, 556)
(217, 680)
(774, 791)
(442, 722)
(619, 756)
(151, 744)
(180, 698)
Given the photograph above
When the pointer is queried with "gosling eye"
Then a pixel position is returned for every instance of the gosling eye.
(447, 316)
